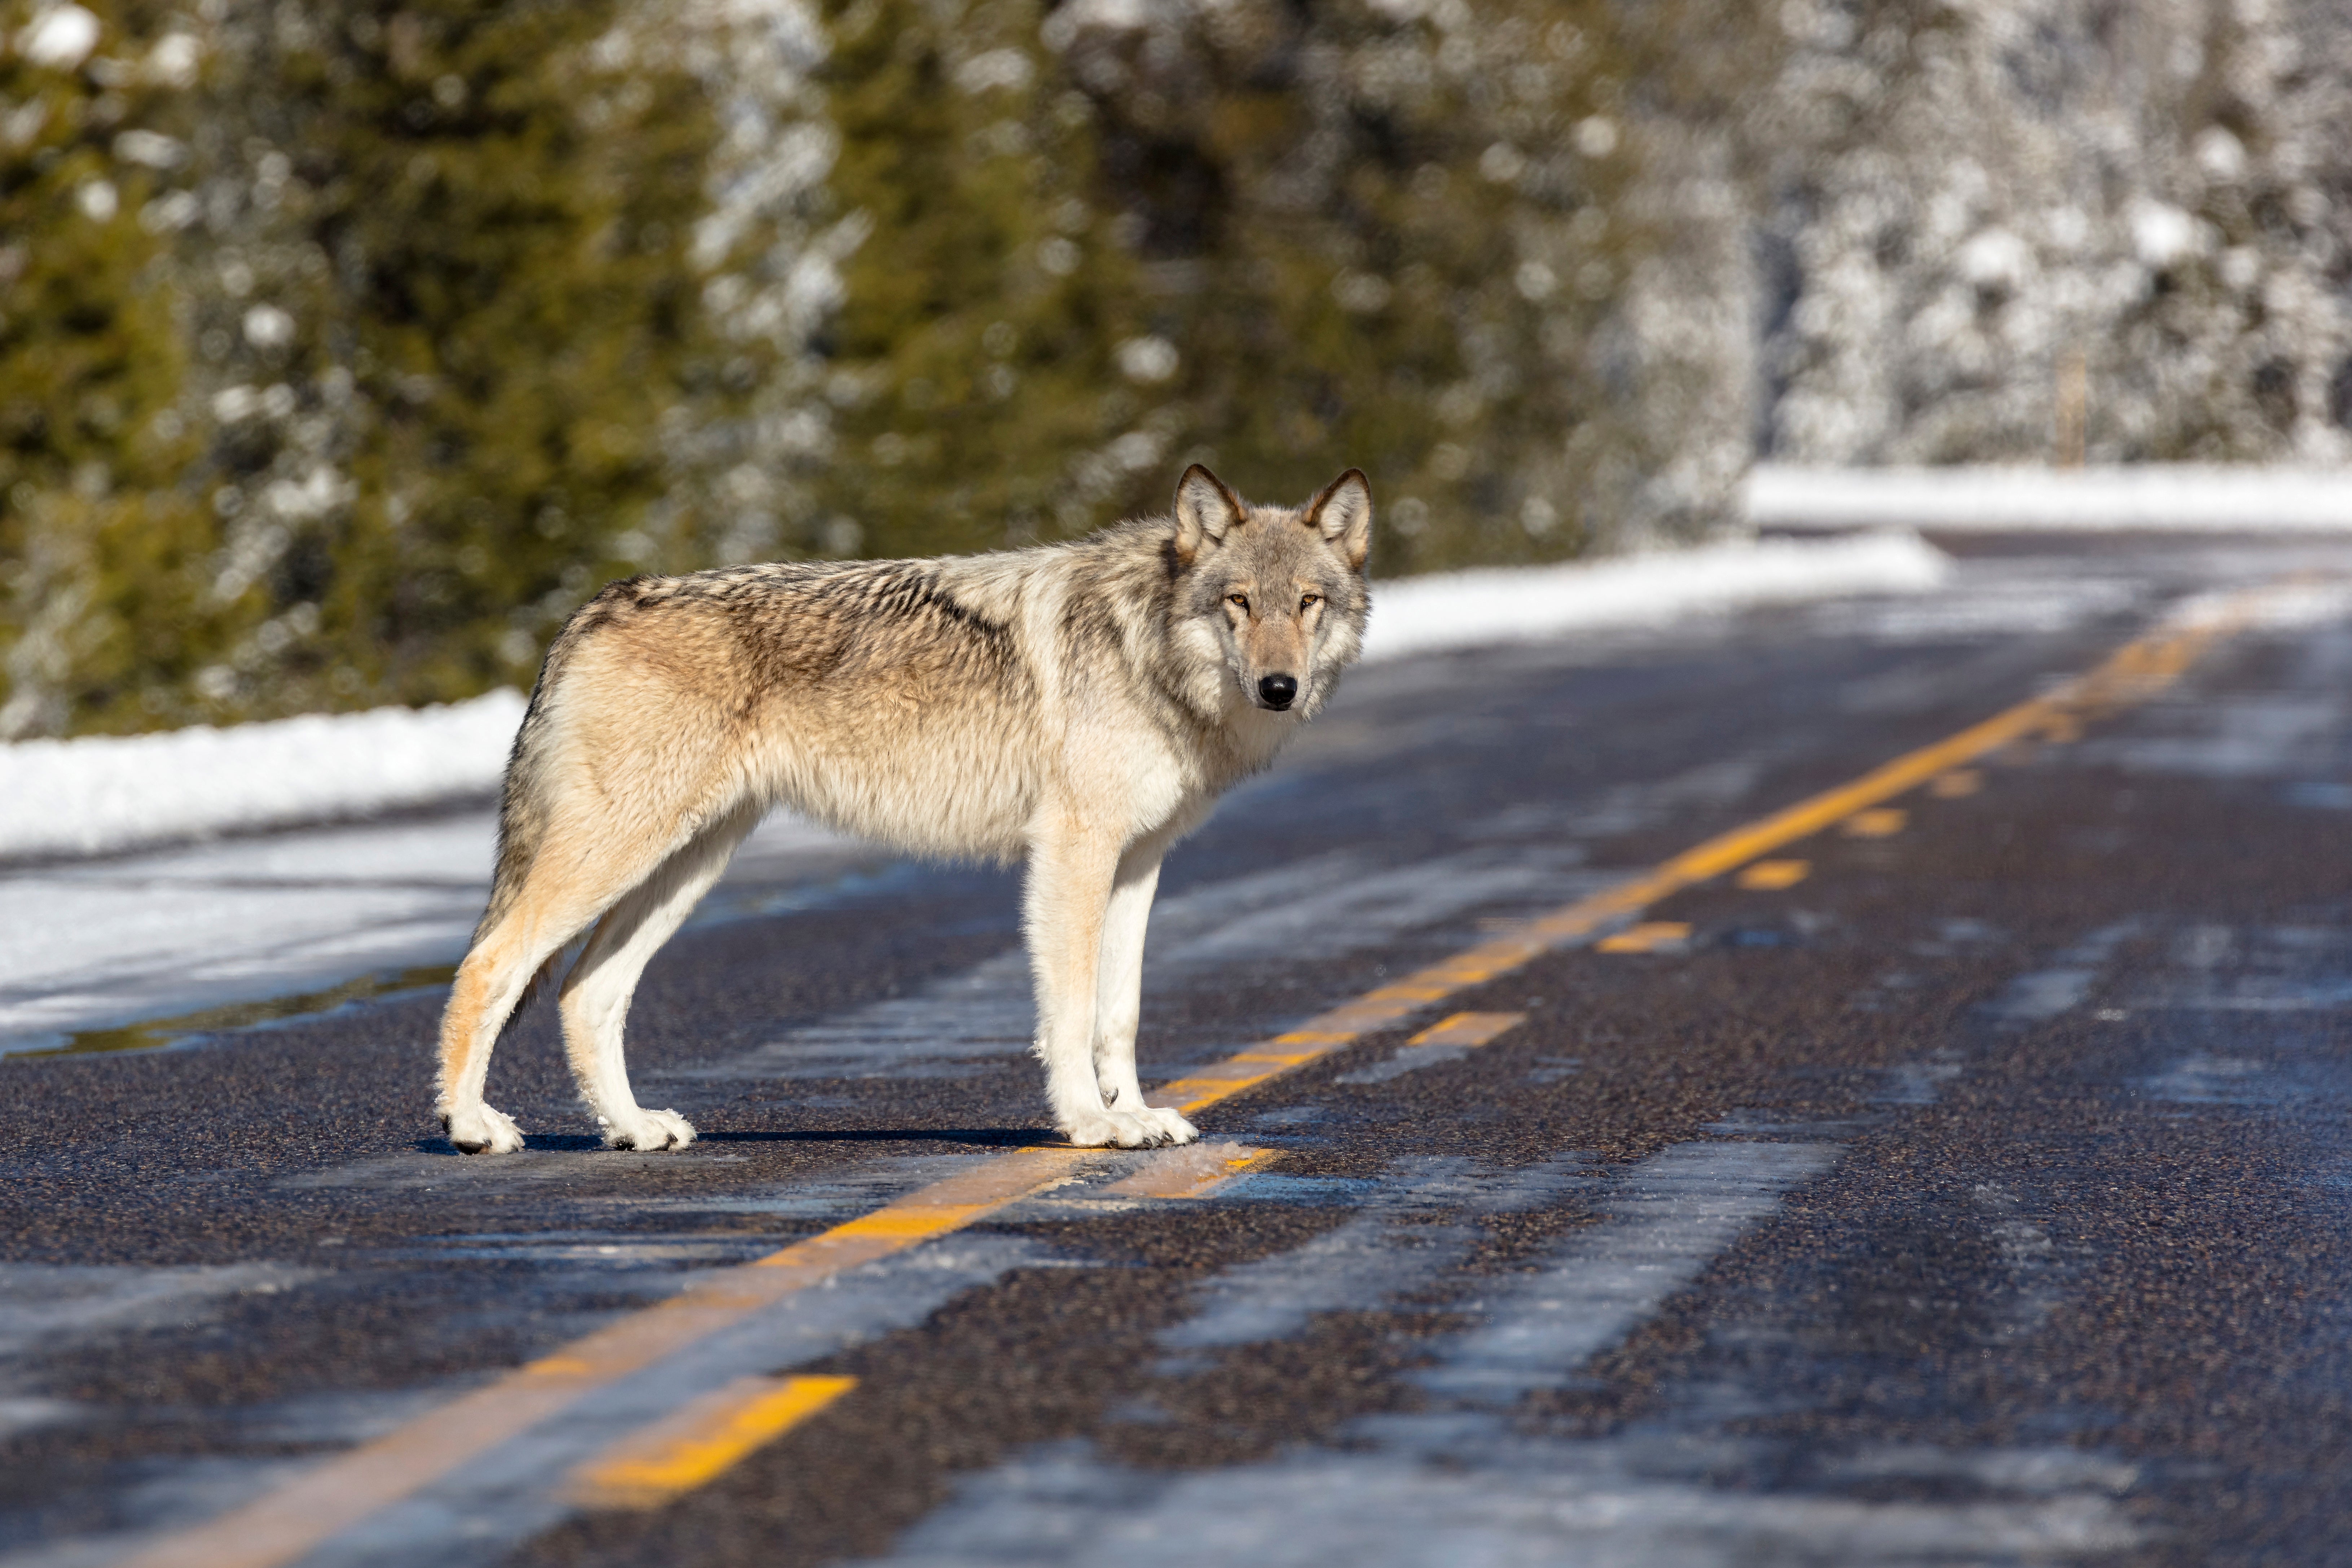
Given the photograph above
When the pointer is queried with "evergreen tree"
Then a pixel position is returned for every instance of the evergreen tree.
(102, 547)
(975, 360)
(1281, 240)
(460, 334)
(1387, 233)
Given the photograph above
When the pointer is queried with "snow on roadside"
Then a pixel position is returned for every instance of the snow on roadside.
(2166, 498)
(105, 793)
(1474, 608)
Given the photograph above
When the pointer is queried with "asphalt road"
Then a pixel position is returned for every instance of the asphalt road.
(1965, 1182)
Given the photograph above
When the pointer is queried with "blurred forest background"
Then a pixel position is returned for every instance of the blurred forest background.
(345, 347)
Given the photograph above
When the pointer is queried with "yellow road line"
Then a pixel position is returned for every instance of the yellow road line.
(289, 1522)
(1952, 785)
(1194, 1171)
(1770, 876)
(283, 1525)
(2132, 673)
(701, 1440)
(1647, 937)
(1468, 1029)
(1878, 822)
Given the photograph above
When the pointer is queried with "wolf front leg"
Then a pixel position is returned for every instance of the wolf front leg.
(1118, 986)
(1072, 867)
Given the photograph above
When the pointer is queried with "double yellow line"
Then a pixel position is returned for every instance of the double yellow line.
(291, 1521)
(2132, 673)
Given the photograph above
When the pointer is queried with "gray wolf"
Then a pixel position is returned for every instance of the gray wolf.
(1081, 705)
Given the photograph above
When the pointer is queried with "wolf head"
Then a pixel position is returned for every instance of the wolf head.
(1271, 601)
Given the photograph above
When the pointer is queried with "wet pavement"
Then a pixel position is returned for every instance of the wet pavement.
(1967, 1180)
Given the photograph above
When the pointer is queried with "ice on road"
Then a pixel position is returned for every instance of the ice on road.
(96, 945)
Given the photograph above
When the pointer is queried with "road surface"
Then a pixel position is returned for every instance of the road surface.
(1602, 1163)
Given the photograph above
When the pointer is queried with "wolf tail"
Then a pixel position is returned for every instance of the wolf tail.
(522, 816)
(524, 806)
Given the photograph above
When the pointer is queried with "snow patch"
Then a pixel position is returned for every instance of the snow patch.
(103, 793)
(1476, 608)
(2153, 498)
(60, 38)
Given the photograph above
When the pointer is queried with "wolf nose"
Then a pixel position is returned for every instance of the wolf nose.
(1278, 689)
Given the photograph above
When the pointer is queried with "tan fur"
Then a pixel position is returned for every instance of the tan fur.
(1079, 705)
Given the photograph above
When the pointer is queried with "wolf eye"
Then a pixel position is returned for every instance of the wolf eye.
(1240, 599)
(1308, 601)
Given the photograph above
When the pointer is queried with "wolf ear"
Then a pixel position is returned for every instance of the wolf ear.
(1342, 514)
(1205, 509)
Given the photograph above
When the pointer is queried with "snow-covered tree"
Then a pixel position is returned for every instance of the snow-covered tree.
(2015, 229)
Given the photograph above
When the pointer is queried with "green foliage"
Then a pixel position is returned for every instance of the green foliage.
(101, 542)
(339, 374)
(973, 352)
(1307, 241)
(1381, 266)
(479, 228)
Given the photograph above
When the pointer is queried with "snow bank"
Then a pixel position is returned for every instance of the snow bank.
(1469, 609)
(103, 795)
(2155, 497)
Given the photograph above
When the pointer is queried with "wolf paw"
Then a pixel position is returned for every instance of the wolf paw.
(482, 1131)
(1173, 1125)
(1126, 1129)
(648, 1131)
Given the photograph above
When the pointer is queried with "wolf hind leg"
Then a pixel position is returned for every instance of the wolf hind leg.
(596, 997)
(1119, 987)
(575, 874)
(492, 981)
